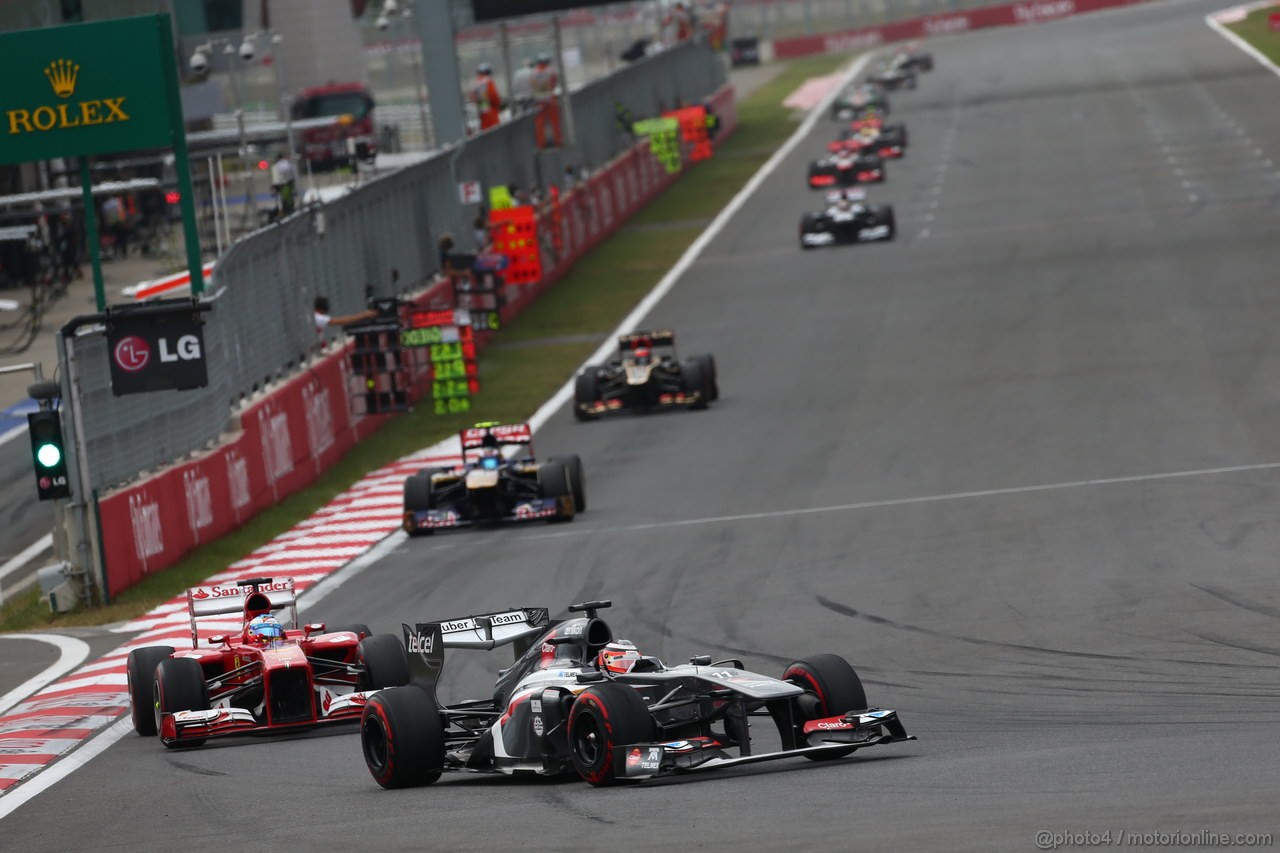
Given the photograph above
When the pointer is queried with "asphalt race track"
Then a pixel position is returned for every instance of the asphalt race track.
(985, 463)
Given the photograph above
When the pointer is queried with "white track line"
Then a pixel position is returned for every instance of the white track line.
(12, 434)
(1239, 42)
(951, 496)
(35, 549)
(691, 254)
(72, 653)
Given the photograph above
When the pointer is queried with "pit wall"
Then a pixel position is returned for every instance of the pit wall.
(298, 430)
(1009, 15)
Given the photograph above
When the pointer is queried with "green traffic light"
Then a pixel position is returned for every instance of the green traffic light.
(48, 455)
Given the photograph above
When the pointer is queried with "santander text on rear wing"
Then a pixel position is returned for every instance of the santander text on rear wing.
(224, 599)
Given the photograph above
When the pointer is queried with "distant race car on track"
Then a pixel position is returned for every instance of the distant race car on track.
(872, 136)
(266, 676)
(490, 487)
(847, 219)
(845, 169)
(579, 701)
(860, 101)
(645, 375)
(891, 76)
(913, 58)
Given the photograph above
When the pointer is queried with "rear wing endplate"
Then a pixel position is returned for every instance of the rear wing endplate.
(426, 641)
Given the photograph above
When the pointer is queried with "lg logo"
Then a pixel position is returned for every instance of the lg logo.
(134, 353)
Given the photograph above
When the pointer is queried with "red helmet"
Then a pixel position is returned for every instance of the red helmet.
(643, 354)
(618, 657)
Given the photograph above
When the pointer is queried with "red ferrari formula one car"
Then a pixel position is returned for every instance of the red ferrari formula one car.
(265, 676)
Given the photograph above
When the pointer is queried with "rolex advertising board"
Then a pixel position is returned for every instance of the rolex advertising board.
(84, 89)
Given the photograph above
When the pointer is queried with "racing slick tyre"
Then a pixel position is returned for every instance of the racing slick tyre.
(694, 379)
(831, 688)
(418, 496)
(402, 737)
(605, 716)
(359, 629)
(577, 479)
(891, 221)
(141, 672)
(553, 482)
(180, 686)
(708, 363)
(385, 662)
(808, 224)
(586, 389)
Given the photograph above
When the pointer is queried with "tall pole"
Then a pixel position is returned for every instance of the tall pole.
(91, 234)
(286, 102)
(440, 64)
(566, 107)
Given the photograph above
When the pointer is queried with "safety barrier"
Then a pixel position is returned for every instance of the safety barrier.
(285, 440)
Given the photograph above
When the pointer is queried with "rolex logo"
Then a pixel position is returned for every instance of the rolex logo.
(62, 76)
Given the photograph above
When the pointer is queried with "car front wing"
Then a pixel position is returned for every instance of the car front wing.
(641, 761)
(178, 726)
(533, 509)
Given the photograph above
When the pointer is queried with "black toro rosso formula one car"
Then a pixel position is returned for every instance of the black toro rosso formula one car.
(267, 677)
(579, 702)
(845, 169)
(847, 219)
(491, 488)
(645, 375)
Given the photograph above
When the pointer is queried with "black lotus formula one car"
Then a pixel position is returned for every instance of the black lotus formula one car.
(579, 702)
(645, 375)
(489, 487)
(848, 219)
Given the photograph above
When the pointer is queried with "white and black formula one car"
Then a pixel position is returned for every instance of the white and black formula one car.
(847, 219)
(914, 58)
(494, 484)
(644, 376)
(577, 701)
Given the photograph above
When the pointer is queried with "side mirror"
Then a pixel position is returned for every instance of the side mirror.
(217, 639)
(700, 660)
(313, 628)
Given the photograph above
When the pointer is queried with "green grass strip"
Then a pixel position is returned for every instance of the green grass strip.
(1255, 30)
(584, 306)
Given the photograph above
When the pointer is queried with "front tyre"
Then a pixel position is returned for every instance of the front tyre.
(180, 686)
(603, 717)
(141, 673)
(832, 688)
(586, 391)
(577, 479)
(402, 738)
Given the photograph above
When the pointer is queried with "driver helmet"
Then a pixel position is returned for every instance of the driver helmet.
(844, 203)
(265, 630)
(643, 354)
(618, 657)
(490, 458)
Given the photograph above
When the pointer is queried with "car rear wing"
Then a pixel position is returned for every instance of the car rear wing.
(426, 641)
(654, 338)
(223, 599)
(474, 437)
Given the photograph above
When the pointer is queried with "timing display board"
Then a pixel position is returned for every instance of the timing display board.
(492, 10)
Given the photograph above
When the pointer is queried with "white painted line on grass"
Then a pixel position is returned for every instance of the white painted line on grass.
(35, 549)
(71, 653)
(691, 254)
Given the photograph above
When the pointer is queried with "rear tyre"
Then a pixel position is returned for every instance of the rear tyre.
(831, 688)
(603, 717)
(359, 629)
(553, 482)
(385, 662)
(586, 389)
(180, 686)
(402, 738)
(141, 672)
(577, 479)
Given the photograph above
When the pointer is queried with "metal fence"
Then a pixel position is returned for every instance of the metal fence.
(380, 239)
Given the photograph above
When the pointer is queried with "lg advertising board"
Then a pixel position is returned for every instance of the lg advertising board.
(156, 347)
